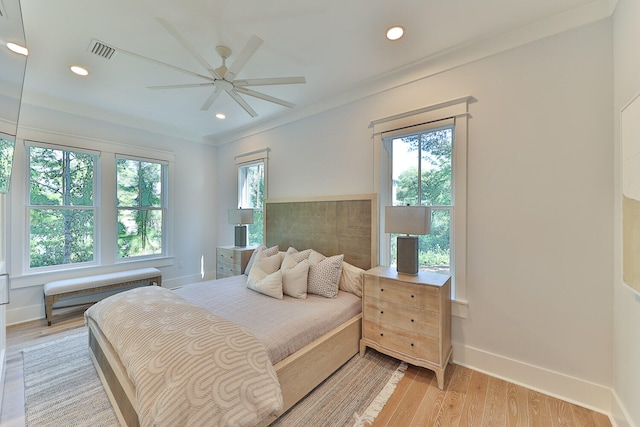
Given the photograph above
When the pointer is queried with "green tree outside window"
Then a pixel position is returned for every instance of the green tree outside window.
(421, 170)
(140, 208)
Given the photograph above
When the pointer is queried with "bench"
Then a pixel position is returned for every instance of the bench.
(60, 289)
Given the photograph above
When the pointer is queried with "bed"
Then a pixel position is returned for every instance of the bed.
(331, 226)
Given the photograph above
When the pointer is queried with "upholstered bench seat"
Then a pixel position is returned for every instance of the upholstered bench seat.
(59, 289)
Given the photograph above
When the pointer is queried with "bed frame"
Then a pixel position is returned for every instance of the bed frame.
(332, 225)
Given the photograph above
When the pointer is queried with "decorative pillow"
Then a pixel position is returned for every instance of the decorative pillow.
(324, 274)
(351, 279)
(265, 276)
(262, 248)
(295, 271)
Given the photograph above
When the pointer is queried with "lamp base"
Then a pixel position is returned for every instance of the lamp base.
(407, 261)
(241, 236)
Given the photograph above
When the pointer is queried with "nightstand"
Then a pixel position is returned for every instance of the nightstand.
(232, 260)
(408, 317)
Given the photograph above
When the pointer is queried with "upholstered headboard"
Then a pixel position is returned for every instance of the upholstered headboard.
(330, 225)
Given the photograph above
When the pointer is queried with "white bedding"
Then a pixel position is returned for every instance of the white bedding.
(270, 319)
(188, 366)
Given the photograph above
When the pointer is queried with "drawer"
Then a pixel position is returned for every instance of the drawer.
(410, 343)
(416, 295)
(228, 257)
(410, 318)
(226, 270)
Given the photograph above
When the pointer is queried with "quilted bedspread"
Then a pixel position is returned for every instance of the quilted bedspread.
(189, 367)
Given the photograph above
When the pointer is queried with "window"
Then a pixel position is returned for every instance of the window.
(421, 158)
(141, 207)
(61, 205)
(421, 175)
(251, 194)
(7, 143)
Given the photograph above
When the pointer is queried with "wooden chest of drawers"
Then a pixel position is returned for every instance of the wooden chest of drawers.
(232, 260)
(408, 317)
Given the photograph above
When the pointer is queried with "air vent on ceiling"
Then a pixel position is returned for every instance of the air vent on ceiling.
(102, 50)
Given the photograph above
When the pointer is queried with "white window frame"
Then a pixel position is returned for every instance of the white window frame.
(94, 208)
(387, 140)
(457, 111)
(106, 240)
(250, 159)
(164, 206)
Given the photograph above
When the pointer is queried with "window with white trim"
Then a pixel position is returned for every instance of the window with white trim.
(61, 206)
(141, 205)
(421, 175)
(447, 210)
(252, 191)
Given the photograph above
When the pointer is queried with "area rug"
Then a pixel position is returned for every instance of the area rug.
(62, 387)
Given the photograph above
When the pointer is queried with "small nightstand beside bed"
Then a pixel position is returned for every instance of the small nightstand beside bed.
(292, 344)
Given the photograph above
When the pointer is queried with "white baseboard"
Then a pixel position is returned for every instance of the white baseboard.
(185, 280)
(619, 415)
(574, 390)
(25, 314)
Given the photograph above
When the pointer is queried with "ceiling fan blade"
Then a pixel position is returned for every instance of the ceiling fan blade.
(180, 86)
(188, 46)
(211, 99)
(164, 64)
(270, 81)
(265, 97)
(242, 103)
(247, 52)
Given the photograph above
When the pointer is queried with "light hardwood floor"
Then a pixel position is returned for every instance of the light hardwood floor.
(469, 398)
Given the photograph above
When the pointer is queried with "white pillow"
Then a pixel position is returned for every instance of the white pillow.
(295, 270)
(265, 276)
(262, 248)
(351, 279)
(324, 274)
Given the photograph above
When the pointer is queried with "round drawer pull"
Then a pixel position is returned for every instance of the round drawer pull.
(381, 312)
(411, 344)
(381, 290)
(381, 335)
(412, 296)
(412, 320)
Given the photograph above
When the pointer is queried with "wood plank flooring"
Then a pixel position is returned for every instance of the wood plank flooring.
(469, 399)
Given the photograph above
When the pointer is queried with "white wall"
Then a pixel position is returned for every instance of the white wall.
(540, 202)
(626, 304)
(192, 197)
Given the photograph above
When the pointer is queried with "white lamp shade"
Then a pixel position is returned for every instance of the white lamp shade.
(407, 219)
(240, 216)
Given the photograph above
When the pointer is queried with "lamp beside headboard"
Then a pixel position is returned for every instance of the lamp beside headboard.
(330, 225)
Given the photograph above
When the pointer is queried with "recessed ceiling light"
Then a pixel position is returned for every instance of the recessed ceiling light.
(395, 32)
(79, 70)
(17, 48)
(221, 116)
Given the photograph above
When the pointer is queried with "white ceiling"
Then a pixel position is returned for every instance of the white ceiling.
(337, 45)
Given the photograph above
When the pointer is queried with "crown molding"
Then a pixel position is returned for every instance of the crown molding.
(437, 63)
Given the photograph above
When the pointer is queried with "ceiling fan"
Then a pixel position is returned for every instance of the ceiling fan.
(223, 78)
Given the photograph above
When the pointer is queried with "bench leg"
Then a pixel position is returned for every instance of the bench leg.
(48, 309)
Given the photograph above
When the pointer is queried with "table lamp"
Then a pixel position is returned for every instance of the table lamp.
(241, 217)
(410, 221)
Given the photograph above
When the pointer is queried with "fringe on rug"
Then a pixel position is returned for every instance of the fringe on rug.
(370, 414)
